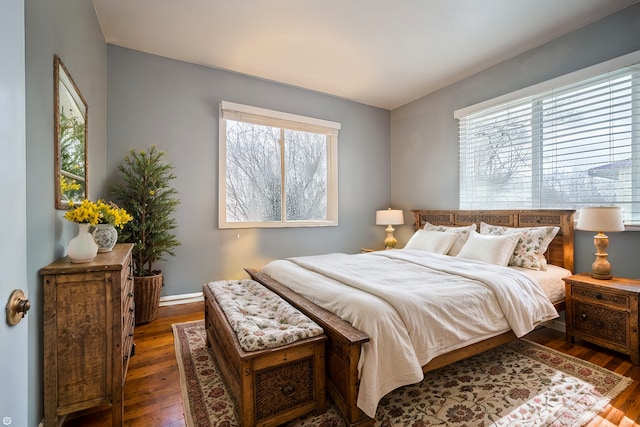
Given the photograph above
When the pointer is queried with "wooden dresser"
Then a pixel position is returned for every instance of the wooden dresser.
(88, 333)
(604, 312)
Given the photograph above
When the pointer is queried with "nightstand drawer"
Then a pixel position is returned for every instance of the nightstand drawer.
(600, 322)
(597, 294)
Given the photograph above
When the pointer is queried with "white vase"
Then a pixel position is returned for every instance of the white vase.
(82, 248)
(105, 236)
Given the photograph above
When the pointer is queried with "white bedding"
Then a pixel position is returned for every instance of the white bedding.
(550, 280)
(413, 308)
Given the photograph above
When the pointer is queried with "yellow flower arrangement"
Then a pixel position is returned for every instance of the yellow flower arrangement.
(100, 212)
(110, 213)
(84, 213)
(68, 185)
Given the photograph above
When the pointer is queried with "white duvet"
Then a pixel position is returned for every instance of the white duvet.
(414, 306)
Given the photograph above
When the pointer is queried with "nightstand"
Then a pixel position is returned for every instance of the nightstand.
(365, 250)
(604, 312)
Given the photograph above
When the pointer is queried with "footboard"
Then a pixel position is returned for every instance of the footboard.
(342, 351)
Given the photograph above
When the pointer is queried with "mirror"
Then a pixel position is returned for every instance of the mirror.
(70, 136)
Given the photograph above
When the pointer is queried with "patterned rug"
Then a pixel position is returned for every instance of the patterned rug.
(518, 384)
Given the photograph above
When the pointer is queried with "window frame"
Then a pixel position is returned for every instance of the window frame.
(534, 94)
(281, 120)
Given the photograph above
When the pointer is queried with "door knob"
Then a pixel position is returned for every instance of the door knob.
(17, 307)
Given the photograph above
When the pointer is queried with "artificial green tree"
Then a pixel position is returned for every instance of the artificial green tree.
(146, 193)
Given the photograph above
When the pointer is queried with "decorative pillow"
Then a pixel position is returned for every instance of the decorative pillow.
(491, 249)
(462, 233)
(529, 252)
(431, 241)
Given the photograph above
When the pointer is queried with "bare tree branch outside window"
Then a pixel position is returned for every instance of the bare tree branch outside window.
(254, 181)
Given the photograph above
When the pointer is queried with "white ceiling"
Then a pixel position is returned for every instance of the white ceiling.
(383, 53)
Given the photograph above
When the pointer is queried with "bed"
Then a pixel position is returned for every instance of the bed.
(346, 343)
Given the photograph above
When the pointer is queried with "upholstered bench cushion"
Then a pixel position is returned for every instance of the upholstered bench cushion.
(260, 318)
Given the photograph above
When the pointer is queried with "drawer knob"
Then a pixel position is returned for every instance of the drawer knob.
(598, 295)
(584, 316)
(614, 326)
(288, 390)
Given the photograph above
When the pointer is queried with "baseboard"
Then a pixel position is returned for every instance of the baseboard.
(181, 299)
(558, 325)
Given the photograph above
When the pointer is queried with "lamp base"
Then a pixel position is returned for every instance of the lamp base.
(601, 268)
(390, 241)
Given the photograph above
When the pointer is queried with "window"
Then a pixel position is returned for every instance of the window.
(557, 145)
(276, 169)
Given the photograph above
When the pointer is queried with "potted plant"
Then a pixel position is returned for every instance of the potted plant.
(110, 217)
(145, 192)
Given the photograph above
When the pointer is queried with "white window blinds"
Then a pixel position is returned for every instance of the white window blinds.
(574, 145)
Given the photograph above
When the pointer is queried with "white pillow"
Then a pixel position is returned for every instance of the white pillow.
(491, 249)
(431, 241)
(529, 252)
(462, 233)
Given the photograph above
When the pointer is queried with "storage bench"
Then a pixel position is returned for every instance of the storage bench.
(270, 355)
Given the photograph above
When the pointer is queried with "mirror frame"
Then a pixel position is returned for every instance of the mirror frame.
(62, 80)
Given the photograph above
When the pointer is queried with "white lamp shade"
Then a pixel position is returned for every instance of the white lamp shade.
(601, 218)
(389, 217)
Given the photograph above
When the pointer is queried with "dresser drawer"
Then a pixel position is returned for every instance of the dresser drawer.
(127, 296)
(127, 286)
(598, 295)
(600, 322)
(127, 346)
(128, 328)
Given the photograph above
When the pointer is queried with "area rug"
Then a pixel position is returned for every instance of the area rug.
(517, 384)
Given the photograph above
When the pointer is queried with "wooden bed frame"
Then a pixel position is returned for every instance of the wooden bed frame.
(344, 341)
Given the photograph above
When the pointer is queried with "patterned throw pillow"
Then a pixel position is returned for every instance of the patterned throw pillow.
(462, 232)
(530, 249)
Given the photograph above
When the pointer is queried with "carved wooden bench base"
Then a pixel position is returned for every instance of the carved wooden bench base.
(271, 386)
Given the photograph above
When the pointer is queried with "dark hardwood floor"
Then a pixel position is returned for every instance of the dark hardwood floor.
(153, 397)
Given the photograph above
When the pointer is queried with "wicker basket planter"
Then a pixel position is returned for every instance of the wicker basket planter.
(147, 291)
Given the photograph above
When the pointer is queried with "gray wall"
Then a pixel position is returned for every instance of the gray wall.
(154, 100)
(424, 136)
(69, 28)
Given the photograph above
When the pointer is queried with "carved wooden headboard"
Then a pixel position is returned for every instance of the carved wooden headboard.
(560, 251)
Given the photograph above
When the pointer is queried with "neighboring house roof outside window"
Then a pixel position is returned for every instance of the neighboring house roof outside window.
(610, 170)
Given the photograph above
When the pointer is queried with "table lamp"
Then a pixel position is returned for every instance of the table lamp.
(600, 219)
(389, 218)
